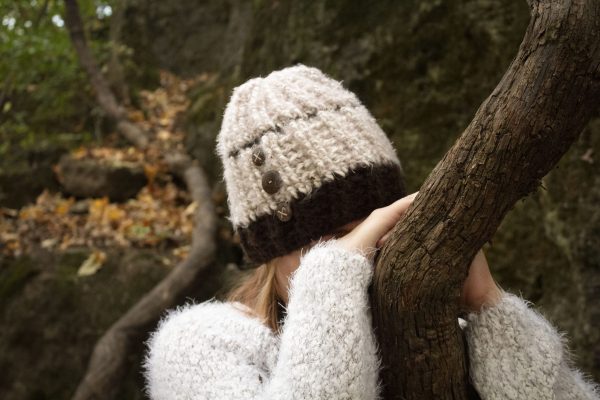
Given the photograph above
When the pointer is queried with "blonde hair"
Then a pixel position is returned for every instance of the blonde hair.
(258, 291)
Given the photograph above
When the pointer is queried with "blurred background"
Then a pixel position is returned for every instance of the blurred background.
(91, 221)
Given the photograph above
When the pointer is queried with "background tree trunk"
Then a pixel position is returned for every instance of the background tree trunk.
(115, 73)
(518, 134)
(106, 99)
(103, 376)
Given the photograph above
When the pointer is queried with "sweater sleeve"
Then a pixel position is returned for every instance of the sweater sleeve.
(326, 350)
(515, 353)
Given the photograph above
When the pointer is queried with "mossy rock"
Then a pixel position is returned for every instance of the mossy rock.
(90, 178)
(52, 319)
(25, 173)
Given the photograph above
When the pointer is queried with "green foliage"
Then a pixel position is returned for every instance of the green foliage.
(44, 91)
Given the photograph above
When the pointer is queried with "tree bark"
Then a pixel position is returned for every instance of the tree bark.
(115, 73)
(106, 99)
(518, 134)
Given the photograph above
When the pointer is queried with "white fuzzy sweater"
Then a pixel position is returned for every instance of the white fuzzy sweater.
(327, 349)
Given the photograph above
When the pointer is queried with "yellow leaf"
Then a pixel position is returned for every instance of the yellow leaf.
(190, 209)
(92, 264)
(135, 115)
(114, 213)
(150, 171)
(181, 252)
(97, 207)
(49, 243)
(30, 213)
(62, 207)
(163, 135)
(80, 153)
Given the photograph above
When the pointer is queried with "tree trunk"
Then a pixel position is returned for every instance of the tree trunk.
(106, 99)
(517, 135)
(115, 73)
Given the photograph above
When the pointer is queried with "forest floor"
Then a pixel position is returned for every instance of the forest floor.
(159, 216)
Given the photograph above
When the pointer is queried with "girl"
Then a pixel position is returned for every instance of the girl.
(314, 187)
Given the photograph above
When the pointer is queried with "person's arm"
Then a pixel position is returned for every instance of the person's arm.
(327, 349)
(515, 353)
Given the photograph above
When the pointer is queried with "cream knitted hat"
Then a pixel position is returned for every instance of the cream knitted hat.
(301, 156)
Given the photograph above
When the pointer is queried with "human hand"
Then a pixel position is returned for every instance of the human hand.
(373, 231)
(479, 288)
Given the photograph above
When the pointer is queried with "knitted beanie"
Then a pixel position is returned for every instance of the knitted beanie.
(301, 157)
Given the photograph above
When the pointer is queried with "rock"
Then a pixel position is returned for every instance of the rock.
(25, 173)
(98, 178)
(51, 318)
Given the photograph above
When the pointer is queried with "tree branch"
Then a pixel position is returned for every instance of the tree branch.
(108, 360)
(106, 99)
(518, 134)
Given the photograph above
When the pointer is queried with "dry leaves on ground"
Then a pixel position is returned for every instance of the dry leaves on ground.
(160, 216)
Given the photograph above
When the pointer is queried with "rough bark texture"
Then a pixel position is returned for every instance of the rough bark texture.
(518, 134)
(106, 99)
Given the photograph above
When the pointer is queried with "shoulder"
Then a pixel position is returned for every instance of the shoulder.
(184, 326)
(204, 315)
(197, 343)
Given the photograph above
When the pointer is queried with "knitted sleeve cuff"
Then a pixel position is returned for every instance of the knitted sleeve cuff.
(328, 266)
(514, 352)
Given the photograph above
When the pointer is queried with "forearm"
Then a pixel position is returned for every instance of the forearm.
(327, 348)
(515, 353)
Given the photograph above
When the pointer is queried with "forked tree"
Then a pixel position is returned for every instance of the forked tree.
(542, 103)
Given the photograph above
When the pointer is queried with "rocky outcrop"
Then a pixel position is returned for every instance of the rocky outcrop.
(92, 178)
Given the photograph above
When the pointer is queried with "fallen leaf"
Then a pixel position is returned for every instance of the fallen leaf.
(587, 156)
(190, 209)
(92, 264)
(163, 134)
(63, 206)
(49, 243)
(150, 171)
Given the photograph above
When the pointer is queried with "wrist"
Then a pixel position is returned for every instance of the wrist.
(338, 258)
(492, 298)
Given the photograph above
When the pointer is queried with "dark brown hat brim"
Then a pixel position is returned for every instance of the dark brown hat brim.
(313, 215)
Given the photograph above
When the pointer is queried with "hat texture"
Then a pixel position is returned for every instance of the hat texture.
(301, 157)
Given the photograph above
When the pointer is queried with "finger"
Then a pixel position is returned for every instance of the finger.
(384, 219)
(400, 206)
(384, 239)
(391, 214)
